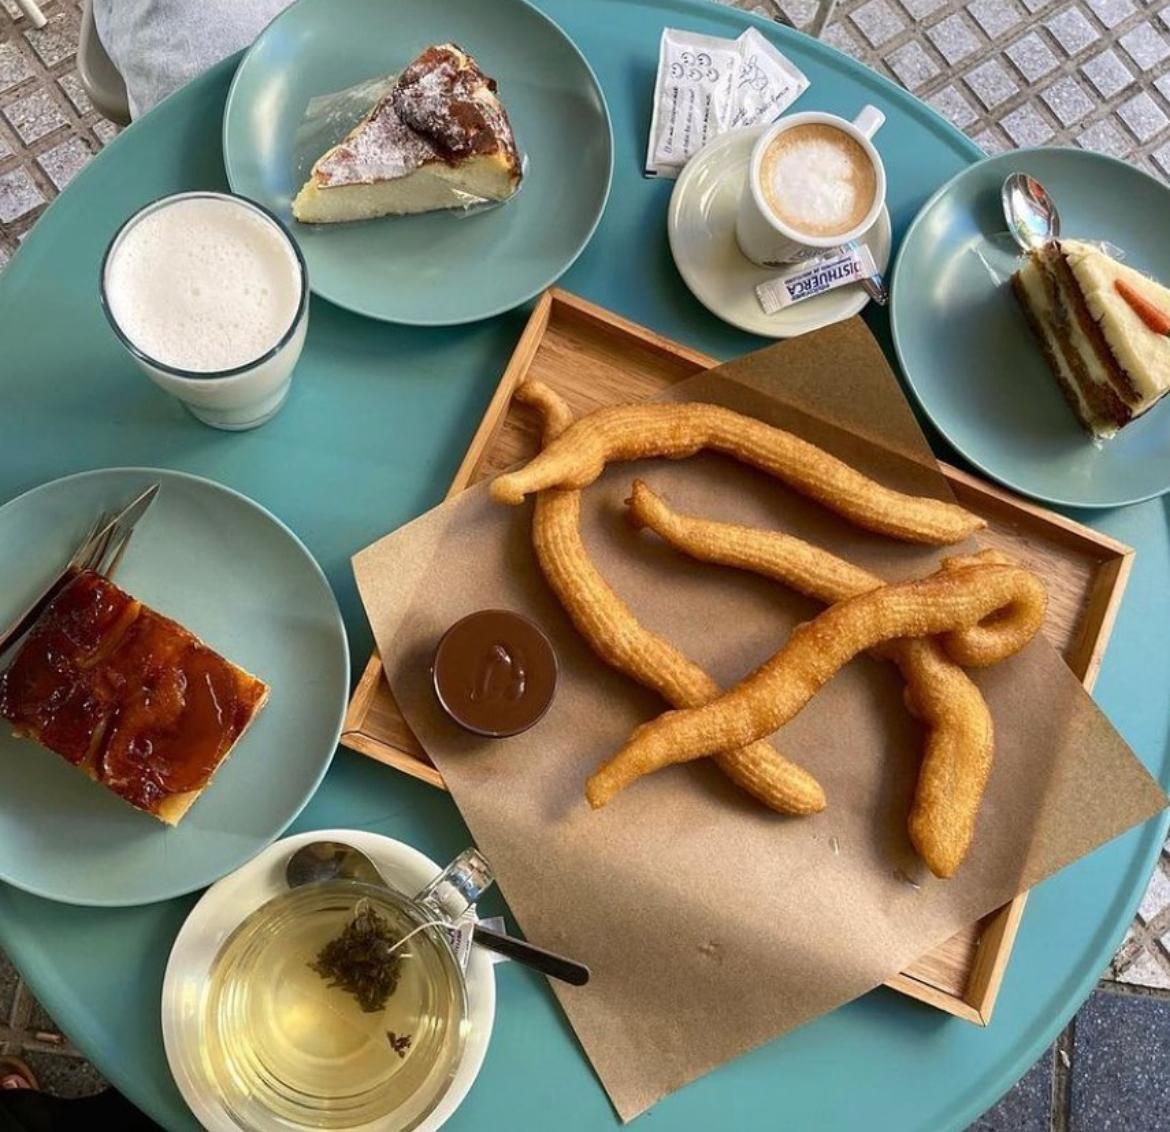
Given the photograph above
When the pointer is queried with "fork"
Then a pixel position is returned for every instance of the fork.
(101, 554)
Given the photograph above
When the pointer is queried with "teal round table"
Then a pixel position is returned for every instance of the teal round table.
(375, 427)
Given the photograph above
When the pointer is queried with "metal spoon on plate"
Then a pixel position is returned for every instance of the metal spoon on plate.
(334, 860)
(1030, 212)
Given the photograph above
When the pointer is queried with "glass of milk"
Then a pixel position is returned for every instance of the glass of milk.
(210, 295)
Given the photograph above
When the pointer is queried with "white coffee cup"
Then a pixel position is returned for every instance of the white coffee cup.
(210, 295)
(768, 240)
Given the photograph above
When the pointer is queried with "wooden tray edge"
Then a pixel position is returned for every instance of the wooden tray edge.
(1001, 926)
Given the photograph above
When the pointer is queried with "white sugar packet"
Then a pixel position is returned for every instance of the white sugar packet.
(707, 85)
(768, 82)
(694, 97)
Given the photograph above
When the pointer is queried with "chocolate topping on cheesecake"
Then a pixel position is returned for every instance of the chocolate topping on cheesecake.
(441, 108)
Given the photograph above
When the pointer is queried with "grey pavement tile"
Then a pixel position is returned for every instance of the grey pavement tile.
(878, 21)
(836, 35)
(1112, 12)
(1157, 896)
(1120, 1051)
(63, 162)
(995, 16)
(1108, 74)
(1027, 126)
(19, 195)
(57, 40)
(954, 38)
(1027, 1107)
(1145, 45)
(1072, 30)
(991, 142)
(1035, 6)
(1164, 16)
(1032, 57)
(951, 104)
(63, 1075)
(1162, 158)
(799, 12)
(1147, 969)
(14, 67)
(1067, 99)
(75, 92)
(920, 9)
(1142, 116)
(6, 149)
(1105, 137)
(35, 115)
(106, 131)
(991, 83)
(1163, 85)
(913, 66)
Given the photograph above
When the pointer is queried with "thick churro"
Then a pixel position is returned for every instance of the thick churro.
(615, 634)
(634, 432)
(959, 733)
(1008, 600)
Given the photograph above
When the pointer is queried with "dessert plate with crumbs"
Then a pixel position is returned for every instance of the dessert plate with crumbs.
(199, 696)
(436, 163)
(982, 374)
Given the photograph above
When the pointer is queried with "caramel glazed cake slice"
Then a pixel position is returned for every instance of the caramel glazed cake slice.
(440, 139)
(1103, 327)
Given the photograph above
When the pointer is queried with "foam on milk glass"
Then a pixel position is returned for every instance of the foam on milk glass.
(209, 293)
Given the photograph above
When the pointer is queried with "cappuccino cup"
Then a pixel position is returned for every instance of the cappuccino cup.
(815, 181)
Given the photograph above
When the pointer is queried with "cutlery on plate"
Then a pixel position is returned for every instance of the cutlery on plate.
(1030, 212)
(101, 550)
(334, 860)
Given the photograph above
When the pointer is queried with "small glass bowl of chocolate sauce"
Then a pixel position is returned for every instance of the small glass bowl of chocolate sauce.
(495, 673)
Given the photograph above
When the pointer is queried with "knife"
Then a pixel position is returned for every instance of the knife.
(105, 535)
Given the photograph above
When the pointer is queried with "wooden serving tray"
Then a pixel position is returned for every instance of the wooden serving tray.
(592, 358)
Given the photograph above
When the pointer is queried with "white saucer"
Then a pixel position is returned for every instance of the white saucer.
(220, 911)
(701, 224)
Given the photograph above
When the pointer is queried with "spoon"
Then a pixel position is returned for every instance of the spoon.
(1029, 211)
(334, 860)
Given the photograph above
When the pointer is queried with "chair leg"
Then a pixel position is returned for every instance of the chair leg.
(35, 15)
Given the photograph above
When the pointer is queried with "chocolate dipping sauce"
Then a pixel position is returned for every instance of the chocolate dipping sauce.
(495, 673)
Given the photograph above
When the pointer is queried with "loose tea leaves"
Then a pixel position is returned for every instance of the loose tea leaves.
(399, 1043)
(362, 960)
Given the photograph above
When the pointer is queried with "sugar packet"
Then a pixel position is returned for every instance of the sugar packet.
(707, 85)
(768, 82)
(694, 97)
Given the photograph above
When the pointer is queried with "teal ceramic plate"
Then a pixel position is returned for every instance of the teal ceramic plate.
(972, 361)
(437, 268)
(238, 578)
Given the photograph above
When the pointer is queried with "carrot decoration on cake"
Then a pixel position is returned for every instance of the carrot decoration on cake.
(1157, 320)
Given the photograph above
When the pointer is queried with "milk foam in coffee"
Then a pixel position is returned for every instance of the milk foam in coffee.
(818, 180)
(203, 284)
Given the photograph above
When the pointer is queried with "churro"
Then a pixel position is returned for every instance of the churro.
(633, 432)
(959, 743)
(615, 634)
(1007, 600)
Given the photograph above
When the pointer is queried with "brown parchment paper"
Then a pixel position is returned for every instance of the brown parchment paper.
(711, 924)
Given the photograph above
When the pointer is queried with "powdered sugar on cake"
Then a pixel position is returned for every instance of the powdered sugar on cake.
(441, 108)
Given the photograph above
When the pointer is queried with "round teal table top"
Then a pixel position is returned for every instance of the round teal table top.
(374, 429)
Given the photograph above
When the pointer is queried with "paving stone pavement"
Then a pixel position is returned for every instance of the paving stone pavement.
(1093, 73)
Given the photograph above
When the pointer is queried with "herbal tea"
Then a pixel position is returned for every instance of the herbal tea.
(315, 1014)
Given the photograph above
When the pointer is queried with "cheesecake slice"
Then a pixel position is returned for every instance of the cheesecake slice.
(439, 139)
(131, 698)
(1104, 328)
